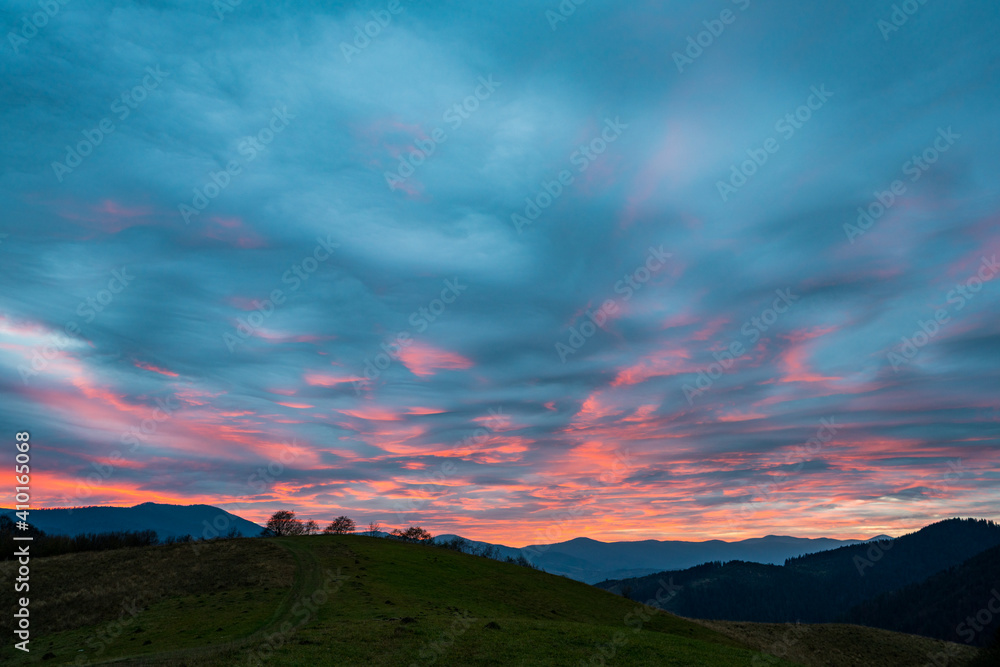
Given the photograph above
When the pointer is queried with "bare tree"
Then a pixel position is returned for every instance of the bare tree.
(310, 527)
(456, 544)
(283, 522)
(373, 528)
(412, 534)
(342, 525)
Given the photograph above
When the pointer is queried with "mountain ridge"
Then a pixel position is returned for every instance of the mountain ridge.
(168, 520)
(846, 584)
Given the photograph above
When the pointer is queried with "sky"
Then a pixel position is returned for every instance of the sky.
(524, 272)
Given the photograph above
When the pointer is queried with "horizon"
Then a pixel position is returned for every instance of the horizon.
(361, 528)
(504, 275)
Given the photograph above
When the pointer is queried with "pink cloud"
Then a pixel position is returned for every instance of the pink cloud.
(150, 367)
(422, 359)
(329, 379)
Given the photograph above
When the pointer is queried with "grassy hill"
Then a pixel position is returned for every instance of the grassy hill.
(351, 600)
(822, 587)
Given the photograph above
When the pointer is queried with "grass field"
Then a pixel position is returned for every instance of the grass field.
(353, 600)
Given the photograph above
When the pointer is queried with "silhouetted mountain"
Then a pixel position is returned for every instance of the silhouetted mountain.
(820, 587)
(591, 561)
(167, 520)
(501, 553)
(944, 606)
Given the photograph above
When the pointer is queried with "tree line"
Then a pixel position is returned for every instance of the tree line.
(43, 544)
(284, 523)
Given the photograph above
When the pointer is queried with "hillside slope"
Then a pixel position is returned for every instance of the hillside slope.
(942, 605)
(348, 600)
(820, 587)
(336, 600)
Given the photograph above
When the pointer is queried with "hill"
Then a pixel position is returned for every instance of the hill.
(582, 559)
(166, 520)
(352, 600)
(821, 587)
(942, 605)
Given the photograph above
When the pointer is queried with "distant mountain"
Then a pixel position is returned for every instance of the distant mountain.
(502, 551)
(591, 561)
(167, 520)
(826, 586)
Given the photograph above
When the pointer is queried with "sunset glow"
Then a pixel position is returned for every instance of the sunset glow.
(576, 315)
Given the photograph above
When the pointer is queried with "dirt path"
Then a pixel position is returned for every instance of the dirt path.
(248, 650)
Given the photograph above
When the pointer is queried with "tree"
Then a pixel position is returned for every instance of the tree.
(342, 525)
(283, 522)
(412, 534)
(310, 527)
(373, 528)
(459, 544)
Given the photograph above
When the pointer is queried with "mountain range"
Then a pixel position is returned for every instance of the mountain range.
(592, 561)
(582, 558)
(167, 520)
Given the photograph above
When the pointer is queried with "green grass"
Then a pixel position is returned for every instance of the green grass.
(346, 600)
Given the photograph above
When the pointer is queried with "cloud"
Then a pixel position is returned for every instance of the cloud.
(284, 146)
